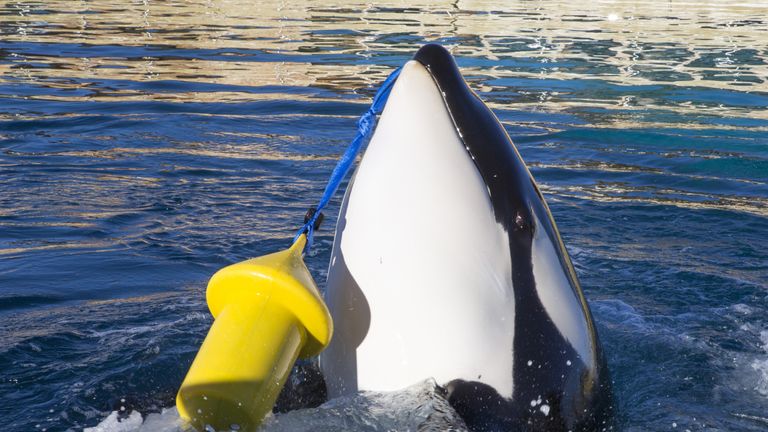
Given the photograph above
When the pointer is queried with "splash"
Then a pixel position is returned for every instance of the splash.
(761, 366)
(420, 408)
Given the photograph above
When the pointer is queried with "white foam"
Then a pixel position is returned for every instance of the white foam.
(166, 421)
(742, 309)
(761, 366)
(620, 313)
(113, 423)
(418, 407)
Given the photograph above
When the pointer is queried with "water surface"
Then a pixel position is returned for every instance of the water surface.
(143, 145)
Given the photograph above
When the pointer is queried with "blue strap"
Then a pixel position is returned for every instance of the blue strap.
(364, 129)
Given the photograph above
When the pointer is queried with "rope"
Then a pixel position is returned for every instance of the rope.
(365, 127)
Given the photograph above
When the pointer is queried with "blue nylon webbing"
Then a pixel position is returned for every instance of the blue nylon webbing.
(364, 128)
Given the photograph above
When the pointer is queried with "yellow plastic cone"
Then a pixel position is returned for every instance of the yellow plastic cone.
(268, 312)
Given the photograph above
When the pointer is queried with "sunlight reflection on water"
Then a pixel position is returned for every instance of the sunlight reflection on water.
(145, 144)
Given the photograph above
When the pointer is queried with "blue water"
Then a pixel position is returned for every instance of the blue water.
(144, 146)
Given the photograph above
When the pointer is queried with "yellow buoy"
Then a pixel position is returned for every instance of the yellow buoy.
(268, 312)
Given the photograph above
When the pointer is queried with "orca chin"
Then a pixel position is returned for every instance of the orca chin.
(447, 263)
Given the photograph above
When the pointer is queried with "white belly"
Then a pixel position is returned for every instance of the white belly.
(419, 284)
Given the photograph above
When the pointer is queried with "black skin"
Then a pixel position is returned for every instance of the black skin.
(305, 388)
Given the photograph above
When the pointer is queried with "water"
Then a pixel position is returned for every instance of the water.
(143, 145)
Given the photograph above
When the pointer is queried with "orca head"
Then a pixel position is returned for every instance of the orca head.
(447, 263)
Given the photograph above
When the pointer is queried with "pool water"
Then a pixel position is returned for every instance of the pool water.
(144, 145)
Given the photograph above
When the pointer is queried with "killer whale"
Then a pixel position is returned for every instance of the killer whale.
(447, 263)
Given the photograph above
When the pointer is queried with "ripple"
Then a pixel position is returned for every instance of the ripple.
(146, 144)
